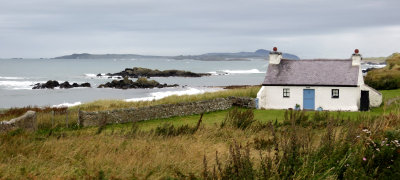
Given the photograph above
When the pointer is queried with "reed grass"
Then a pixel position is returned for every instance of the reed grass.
(298, 147)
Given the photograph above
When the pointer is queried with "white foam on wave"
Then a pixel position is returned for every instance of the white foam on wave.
(227, 72)
(250, 71)
(89, 75)
(163, 94)
(18, 84)
(11, 78)
(103, 76)
(67, 104)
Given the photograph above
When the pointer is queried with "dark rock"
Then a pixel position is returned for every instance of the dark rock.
(85, 85)
(48, 85)
(98, 75)
(367, 70)
(66, 85)
(137, 72)
(129, 84)
(52, 84)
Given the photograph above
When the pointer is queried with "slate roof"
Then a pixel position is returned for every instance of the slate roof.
(316, 72)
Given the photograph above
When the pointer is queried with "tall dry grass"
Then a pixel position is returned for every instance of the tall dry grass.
(301, 147)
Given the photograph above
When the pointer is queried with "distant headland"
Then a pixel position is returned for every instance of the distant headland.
(238, 56)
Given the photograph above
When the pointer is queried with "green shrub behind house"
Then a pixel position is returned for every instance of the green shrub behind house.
(385, 78)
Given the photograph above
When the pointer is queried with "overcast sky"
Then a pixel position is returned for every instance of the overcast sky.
(307, 28)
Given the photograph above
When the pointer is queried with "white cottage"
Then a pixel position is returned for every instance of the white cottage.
(318, 84)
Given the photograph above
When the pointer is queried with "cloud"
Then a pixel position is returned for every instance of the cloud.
(310, 28)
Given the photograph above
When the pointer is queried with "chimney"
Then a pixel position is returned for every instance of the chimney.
(356, 58)
(275, 56)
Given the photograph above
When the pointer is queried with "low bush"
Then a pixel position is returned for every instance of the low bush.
(240, 119)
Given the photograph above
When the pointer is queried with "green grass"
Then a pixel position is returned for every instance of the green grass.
(116, 104)
(390, 94)
(116, 152)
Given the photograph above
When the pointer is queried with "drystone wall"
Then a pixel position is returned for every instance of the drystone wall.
(162, 111)
(26, 121)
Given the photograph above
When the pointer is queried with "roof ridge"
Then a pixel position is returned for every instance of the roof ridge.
(318, 59)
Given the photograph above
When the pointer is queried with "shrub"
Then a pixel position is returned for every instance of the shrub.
(240, 119)
(385, 78)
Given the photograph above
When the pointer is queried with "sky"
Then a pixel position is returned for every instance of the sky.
(306, 28)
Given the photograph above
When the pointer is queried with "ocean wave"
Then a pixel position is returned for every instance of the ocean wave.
(89, 75)
(67, 104)
(163, 94)
(103, 76)
(227, 72)
(16, 85)
(12, 78)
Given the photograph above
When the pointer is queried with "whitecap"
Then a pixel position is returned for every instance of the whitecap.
(67, 104)
(89, 75)
(163, 94)
(11, 78)
(227, 72)
(18, 84)
(250, 71)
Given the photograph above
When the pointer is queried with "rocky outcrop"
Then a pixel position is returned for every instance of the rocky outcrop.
(137, 72)
(53, 84)
(26, 121)
(129, 84)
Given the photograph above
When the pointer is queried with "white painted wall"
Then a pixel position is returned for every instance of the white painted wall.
(375, 97)
(271, 97)
(275, 58)
(356, 59)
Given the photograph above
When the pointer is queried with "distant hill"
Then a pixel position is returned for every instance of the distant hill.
(239, 56)
(104, 56)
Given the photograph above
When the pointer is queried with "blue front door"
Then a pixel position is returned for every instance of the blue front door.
(309, 99)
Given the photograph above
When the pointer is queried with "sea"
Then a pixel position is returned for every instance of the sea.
(17, 77)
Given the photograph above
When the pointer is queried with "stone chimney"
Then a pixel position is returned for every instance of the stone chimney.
(275, 56)
(356, 58)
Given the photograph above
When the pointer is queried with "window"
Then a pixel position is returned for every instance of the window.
(286, 92)
(335, 93)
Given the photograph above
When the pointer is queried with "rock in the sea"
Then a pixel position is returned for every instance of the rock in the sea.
(48, 85)
(66, 85)
(129, 84)
(52, 84)
(145, 72)
(85, 85)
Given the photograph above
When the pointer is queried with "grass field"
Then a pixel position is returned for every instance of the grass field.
(321, 146)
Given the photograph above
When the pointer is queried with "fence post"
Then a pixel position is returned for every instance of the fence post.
(79, 116)
(66, 118)
(52, 119)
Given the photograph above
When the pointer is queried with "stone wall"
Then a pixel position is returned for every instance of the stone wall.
(162, 111)
(26, 121)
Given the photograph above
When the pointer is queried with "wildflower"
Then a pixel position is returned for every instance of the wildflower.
(364, 159)
(358, 136)
(377, 149)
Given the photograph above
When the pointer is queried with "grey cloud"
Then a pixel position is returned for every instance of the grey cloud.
(46, 27)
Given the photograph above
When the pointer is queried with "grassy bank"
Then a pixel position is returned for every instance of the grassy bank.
(387, 77)
(269, 143)
(250, 91)
(293, 145)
